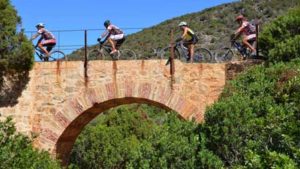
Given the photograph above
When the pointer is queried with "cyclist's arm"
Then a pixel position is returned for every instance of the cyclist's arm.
(106, 34)
(34, 36)
(185, 32)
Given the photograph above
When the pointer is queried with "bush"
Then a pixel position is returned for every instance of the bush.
(280, 39)
(16, 150)
(256, 122)
(138, 137)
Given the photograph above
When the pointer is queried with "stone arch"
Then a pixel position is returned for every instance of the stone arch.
(79, 111)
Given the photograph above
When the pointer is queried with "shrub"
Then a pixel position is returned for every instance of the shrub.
(16, 150)
(280, 39)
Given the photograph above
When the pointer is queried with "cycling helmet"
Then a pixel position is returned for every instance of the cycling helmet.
(107, 23)
(40, 25)
(240, 17)
(182, 24)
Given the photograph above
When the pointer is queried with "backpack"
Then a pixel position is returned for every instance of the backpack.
(252, 28)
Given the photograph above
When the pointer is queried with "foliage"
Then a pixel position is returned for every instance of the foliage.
(280, 39)
(137, 136)
(16, 52)
(16, 150)
(256, 122)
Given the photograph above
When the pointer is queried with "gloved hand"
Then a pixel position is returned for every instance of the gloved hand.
(99, 39)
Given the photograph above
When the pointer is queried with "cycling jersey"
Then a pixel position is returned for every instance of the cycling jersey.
(247, 28)
(189, 36)
(114, 30)
(46, 35)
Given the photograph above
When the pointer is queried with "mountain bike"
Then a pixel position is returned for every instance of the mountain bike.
(103, 52)
(237, 52)
(181, 53)
(53, 55)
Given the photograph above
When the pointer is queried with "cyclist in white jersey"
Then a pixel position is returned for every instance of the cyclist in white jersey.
(247, 30)
(114, 35)
(47, 39)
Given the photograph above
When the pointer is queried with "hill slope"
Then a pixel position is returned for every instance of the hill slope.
(213, 25)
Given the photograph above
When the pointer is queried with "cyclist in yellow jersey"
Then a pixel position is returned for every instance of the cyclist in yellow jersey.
(189, 39)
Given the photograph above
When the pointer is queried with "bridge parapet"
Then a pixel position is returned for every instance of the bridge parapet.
(59, 100)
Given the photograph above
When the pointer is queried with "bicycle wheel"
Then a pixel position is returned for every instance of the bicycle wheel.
(96, 54)
(166, 53)
(57, 55)
(225, 55)
(202, 55)
(127, 54)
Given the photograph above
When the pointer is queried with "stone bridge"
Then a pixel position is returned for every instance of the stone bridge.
(58, 100)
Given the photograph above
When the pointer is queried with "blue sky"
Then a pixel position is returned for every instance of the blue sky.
(90, 14)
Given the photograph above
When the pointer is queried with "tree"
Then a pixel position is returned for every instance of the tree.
(256, 122)
(137, 136)
(16, 52)
(16, 150)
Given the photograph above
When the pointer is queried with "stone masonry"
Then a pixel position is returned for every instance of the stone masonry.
(59, 100)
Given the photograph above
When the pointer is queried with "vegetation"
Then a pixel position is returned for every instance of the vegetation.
(213, 26)
(16, 53)
(137, 136)
(255, 123)
(262, 130)
(16, 150)
(280, 40)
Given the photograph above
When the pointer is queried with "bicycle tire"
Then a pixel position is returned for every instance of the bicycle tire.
(226, 55)
(56, 55)
(126, 54)
(202, 55)
(96, 54)
(166, 53)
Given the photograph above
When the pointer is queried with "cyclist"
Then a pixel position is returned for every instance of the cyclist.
(114, 35)
(247, 30)
(47, 39)
(189, 39)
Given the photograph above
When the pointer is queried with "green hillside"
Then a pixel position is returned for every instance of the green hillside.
(213, 25)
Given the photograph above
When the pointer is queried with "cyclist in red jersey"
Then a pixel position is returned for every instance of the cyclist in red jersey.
(114, 35)
(47, 39)
(247, 30)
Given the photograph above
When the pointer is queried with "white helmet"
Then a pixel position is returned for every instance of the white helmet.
(182, 24)
(40, 25)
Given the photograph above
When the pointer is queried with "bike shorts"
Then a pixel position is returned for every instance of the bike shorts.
(251, 37)
(117, 37)
(49, 42)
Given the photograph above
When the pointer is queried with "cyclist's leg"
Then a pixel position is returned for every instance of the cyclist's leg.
(50, 46)
(113, 39)
(187, 45)
(41, 46)
(48, 43)
(191, 52)
(192, 48)
(246, 40)
(119, 43)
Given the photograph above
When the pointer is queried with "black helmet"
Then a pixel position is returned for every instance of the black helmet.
(107, 23)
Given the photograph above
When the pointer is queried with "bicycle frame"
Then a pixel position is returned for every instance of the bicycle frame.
(243, 50)
(39, 53)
